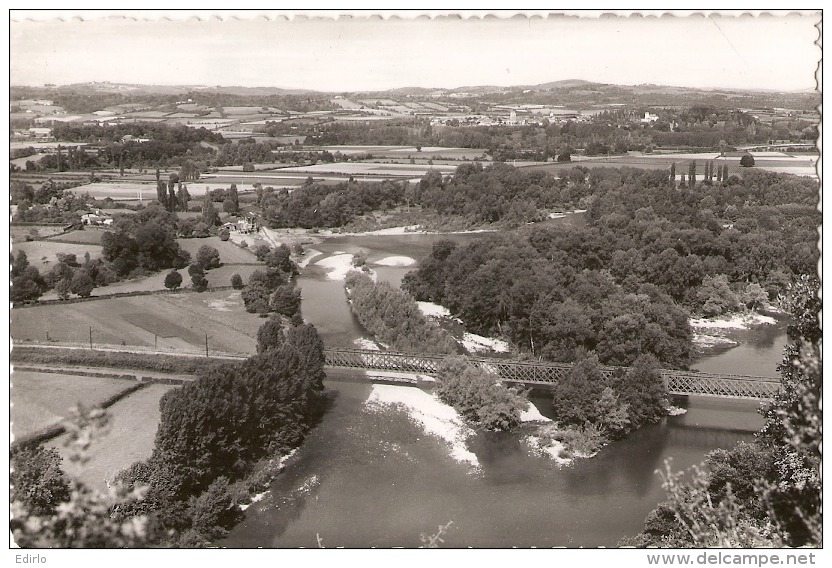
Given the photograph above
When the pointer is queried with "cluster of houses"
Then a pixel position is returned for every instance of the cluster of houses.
(96, 218)
(245, 225)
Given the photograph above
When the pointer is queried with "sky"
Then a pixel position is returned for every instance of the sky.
(364, 53)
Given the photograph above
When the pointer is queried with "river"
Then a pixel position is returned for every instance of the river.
(368, 476)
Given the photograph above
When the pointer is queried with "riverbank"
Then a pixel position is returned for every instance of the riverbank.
(412, 224)
(713, 335)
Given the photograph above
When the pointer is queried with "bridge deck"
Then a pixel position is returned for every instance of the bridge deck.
(538, 373)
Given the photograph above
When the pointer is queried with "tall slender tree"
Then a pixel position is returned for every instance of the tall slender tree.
(161, 193)
(232, 200)
(209, 212)
(692, 173)
(183, 196)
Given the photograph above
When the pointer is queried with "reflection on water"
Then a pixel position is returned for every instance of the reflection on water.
(759, 352)
(368, 478)
(382, 482)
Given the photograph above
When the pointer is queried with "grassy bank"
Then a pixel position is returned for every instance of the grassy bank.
(138, 361)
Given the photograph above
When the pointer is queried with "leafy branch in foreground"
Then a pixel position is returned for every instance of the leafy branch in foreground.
(77, 516)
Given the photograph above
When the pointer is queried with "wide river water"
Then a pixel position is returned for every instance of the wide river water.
(368, 476)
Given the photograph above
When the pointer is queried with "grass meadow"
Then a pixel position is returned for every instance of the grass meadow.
(180, 322)
(42, 399)
(43, 254)
(133, 424)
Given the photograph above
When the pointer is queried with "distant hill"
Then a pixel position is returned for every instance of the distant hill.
(574, 93)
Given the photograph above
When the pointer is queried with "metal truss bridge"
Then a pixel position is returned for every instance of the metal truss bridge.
(536, 373)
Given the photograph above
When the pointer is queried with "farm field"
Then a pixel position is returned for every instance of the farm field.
(146, 284)
(399, 151)
(229, 252)
(770, 161)
(179, 322)
(371, 168)
(146, 190)
(133, 424)
(42, 254)
(90, 236)
(222, 276)
(21, 162)
(19, 233)
(17, 145)
(265, 177)
(42, 399)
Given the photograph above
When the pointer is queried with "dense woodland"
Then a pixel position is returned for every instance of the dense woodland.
(624, 283)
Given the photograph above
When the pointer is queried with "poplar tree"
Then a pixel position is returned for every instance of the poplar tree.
(232, 200)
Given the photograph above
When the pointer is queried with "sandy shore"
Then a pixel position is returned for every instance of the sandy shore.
(402, 261)
(732, 321)
(435, 417)
(479, 344)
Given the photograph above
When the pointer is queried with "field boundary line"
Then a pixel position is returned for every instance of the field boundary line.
(68, 370)
(59, 428)
(133, 349)
(36, 303)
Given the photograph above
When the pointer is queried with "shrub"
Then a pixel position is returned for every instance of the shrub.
(359, 259)
(643, 390)
(211, 513)
(587, 440)
(574, 397)
(199, 282)
(280, 258)
(270, 334)
(236, 281)
(82, 284)
(285, 300)
(716, 296)
(256, 298)
(261, 251)
(62, 289)
(613, 415)
(208, 257)
(195, 269)
(270, 278)
(747, 161)
(478, 395)
(173, 280)
(225, 234)
(37, 480)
